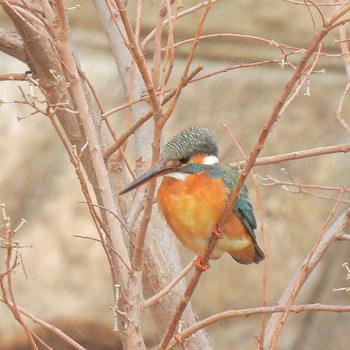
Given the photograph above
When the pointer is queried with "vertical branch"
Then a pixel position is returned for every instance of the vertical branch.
(157, 112)
(345, 49)
(346, 56)
(157, 44)
(139, 59)
(180, 309)
(141, 233)
(181, 83)
(103, 184)
(169, 52)
(160, 244)
(10, 264)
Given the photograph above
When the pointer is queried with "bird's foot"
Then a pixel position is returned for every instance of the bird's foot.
(199, 265)
(217, 233)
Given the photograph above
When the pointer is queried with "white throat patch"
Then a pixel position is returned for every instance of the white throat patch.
(177, 176)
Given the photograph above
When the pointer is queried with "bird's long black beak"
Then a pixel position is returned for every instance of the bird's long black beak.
(158, 170)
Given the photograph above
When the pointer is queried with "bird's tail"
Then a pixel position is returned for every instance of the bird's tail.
(248, 255)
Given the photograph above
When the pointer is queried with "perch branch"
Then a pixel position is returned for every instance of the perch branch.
(276, 113)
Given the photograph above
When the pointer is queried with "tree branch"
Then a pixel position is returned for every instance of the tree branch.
(11, 44)
(48, 326)
(337, 230)
(276, 114)
(312, 152)
(181, 337)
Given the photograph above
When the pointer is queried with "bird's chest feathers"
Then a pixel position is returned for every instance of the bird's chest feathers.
(192, 204)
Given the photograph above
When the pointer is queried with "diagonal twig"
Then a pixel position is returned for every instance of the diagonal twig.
(339, 228)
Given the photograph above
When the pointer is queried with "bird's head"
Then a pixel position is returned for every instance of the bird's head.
(191, 146)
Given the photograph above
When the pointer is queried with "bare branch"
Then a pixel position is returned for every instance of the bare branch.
(48, 326)
(337, 230)
(181, 337)
(168, 288)
(192, 9)
(12, 45)
(312, 152)
(113, 148)
(299, 71)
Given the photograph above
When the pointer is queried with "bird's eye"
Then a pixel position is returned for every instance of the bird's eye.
(184, 160)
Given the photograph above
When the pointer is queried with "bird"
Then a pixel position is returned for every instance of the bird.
(193, 196)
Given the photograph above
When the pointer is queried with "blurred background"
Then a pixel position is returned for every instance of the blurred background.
(38, 183)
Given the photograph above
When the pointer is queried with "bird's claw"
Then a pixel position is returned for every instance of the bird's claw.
(217, 233)
(199, 265)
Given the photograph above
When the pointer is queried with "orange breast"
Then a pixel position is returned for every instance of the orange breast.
(194, 206)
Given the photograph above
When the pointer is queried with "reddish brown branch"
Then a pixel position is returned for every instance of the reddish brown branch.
(262, 231)
(194, 281)
(13, 76)
(181, 337)
(182, 81)
(303, 275)
(6, 286)
(180, 309)
(299, 71)
(169, 287)
(312, 152)
(192, 9)
(139, 59)
(337, 230)
(113, 148)
(48, 326)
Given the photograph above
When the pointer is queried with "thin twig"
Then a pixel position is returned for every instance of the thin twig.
(312, 152)
(336, 231)
(189, 81)
(139, 59)
(48, 326)
(337, 113)
(271, 181)
(157, 297)
(113, 148)
(243, 175)
(346, 56)
(181, 83)
(191, 286)
(10, 264)
(303, 273)
(192, 9)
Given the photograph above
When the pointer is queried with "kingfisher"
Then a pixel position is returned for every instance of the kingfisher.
(193, 196)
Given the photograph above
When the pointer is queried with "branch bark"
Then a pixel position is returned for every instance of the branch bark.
(160, 246)
(337, 230)
(11, 44)
(50, 58)
(277, 309)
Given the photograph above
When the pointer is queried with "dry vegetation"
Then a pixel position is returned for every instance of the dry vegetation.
(61, 275)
